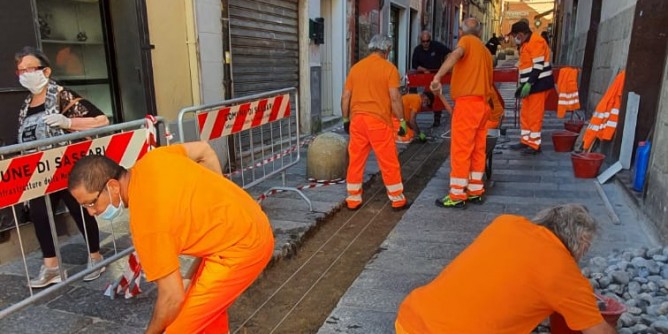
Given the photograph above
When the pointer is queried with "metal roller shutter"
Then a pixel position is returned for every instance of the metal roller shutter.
(265, 45)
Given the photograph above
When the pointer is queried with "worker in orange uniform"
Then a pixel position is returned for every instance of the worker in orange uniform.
(182, 205)
(472, 79)
(501, 284)
(369, 99)
(412, 104)
(535, 82)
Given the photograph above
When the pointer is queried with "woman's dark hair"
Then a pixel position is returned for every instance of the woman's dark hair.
(430, 97)
(30, 51)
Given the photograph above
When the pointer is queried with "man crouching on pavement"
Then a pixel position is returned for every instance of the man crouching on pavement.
(182, 205)
(514, 275)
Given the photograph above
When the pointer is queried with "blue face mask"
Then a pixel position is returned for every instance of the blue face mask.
(112, 211)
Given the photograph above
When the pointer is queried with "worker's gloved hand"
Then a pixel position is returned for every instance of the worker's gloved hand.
(58, 121)
(402, 128)
(422, 137)
(526, 89)
(346, 125)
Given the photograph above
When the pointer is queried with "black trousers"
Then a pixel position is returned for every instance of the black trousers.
(40, 218)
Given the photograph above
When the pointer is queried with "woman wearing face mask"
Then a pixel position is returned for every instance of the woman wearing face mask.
(52, 110)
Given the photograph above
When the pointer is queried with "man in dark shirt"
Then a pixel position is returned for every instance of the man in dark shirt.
(493, 44)
(428, 57)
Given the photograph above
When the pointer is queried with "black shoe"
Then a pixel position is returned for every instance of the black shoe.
(475, 199)
(531, 151)
(517, 147)
(403, 207)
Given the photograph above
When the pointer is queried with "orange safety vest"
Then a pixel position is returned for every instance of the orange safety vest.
(604, 120)
(567, 86)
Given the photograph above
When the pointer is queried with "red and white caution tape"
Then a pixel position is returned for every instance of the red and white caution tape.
(128, 284)
(313, 183)
(272, 158)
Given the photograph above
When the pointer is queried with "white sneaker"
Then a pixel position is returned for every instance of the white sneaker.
(95, 274)
(47, 276)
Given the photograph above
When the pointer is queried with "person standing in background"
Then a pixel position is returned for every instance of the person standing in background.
(49, 111)
(427, 58)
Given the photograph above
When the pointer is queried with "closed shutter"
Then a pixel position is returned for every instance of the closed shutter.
(265, 45)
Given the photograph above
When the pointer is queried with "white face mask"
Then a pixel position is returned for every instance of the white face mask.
(33, 81)
(518, 40)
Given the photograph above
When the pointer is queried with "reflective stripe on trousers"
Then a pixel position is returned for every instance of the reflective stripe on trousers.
(367, 133)
(467, 146)
(531, 119)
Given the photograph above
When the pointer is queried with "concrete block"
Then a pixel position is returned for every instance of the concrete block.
(389, 280)
(372, 299)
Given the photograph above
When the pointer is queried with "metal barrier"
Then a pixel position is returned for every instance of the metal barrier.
(260, 135)
(39, 168)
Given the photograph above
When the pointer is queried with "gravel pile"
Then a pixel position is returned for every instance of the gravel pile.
(638, 278)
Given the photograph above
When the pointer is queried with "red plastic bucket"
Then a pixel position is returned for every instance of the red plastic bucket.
(574, 125)
(613, 310)
(564, 140)
(586, 165)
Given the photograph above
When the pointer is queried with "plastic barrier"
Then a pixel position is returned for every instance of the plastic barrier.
(39, 168)
(259, 133)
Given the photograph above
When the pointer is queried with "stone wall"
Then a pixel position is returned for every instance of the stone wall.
(656, 202)
(612, 44)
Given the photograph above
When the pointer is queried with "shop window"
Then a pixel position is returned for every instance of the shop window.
(71, 35)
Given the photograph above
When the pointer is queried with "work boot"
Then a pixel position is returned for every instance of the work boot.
(531, 151)
(517, 147)
(403, 207)
(47, 276)
(447, 202)
(475, 199)
(95, 274)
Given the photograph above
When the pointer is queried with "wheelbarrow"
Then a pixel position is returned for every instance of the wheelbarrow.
(492, 137)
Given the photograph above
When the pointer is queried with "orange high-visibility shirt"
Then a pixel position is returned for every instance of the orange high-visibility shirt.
(513, 276)
(370, 81)
(472, 75)
(412, 104)
(180, 207)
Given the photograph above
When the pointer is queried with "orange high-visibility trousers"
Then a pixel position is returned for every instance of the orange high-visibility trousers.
(366, 133)
(531, 119)
(467, 146)
(219, 281)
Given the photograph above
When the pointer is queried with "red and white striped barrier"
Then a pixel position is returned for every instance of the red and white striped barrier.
(232, 119)
(128, 284)
(37, 174)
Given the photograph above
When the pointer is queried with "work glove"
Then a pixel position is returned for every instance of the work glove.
(422, 137)
(346, 125)
(526, 89)
(402, 128)
(58, 121)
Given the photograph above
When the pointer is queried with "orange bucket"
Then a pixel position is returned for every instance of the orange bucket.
(613, 310)
(574, 125)
(586, 165)
(564, 140)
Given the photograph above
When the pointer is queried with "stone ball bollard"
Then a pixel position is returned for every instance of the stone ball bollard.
(327, 157)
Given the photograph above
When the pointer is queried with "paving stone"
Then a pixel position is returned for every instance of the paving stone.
(43, 320)
(391, 280)
(133, 312)
(351, 320)
(372, 299)
(110, 327)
